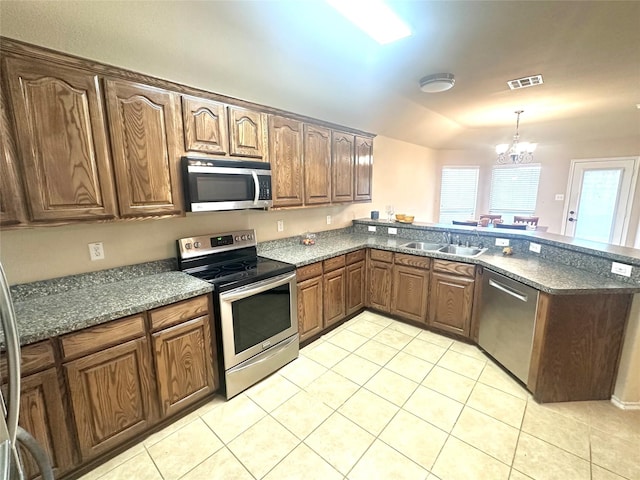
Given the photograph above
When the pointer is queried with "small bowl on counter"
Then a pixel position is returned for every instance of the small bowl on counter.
(402, 218)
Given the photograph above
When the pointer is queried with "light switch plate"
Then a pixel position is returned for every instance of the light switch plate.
(372, 228)
(534, 247)
(621, 269)
(502, 242)
(393, 231)
(328, 219)
(281, 225)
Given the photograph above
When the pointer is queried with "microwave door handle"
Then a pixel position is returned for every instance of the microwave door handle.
(257, 186)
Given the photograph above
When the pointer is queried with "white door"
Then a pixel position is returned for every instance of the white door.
(600, 195)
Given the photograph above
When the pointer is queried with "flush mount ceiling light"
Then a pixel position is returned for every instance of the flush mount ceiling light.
(517, 152)
(374, 17)
(438, 82)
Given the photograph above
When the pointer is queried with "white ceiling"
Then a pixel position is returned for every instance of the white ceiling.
(303, 57)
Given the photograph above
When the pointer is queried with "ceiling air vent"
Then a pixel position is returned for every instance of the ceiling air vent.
(525, 82)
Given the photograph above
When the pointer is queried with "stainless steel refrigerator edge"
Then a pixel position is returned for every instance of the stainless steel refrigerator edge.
(10, 432)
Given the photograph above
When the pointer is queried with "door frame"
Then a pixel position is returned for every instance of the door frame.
(627, 207)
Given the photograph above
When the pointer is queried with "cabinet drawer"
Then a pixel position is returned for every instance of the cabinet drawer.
(35, 357)
(309, 271)
(354, 257)
(97, 338)
(179, 312)
(381, 256)
(455, 268)
(412, 260)
(333, 263)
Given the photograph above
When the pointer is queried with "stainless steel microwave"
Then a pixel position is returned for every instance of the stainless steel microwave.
(217, 184)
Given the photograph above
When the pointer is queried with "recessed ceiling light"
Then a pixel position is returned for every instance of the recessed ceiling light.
(438, 82)
(374, 17)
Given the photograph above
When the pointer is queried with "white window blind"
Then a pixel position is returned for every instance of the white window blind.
(458, 193)
(514, 190)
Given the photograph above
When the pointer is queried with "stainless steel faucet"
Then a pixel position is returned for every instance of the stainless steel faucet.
(480, 244)
(447, 237)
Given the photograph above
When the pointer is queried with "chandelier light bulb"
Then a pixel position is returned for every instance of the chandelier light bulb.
(517, 152)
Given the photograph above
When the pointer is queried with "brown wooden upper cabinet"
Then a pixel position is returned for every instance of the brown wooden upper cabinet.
(342, 162)
(145, 142)
(285, 155)
(11, 203)
(62, 145)
(205, 126)
(317, 165)
(363, 168)
(247, 132)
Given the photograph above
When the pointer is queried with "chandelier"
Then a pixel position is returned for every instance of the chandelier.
(517, 152)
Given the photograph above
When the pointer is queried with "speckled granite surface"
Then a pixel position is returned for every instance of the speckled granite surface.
(48, 315)
(547, 276)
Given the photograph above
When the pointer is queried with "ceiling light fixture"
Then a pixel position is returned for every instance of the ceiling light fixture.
(374, 17)
(517, 152)
(438, 82)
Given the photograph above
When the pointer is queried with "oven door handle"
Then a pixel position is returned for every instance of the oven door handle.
(258, 287)
(257, 186)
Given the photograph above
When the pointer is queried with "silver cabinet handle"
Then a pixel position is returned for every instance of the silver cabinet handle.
(509, 291)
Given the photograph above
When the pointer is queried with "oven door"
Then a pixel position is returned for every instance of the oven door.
(257, 316)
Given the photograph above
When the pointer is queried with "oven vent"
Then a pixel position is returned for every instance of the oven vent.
(525, 82)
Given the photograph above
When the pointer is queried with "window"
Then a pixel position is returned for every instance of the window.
(514, 190)
(458, 193)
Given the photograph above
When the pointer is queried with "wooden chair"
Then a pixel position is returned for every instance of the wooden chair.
(519, 226)
(468, 223)
(490, 216)
(528, 220)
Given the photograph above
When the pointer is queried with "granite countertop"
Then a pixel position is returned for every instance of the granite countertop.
(41, 317)
(544, 275)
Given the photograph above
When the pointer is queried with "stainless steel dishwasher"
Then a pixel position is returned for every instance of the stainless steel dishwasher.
(507, 322)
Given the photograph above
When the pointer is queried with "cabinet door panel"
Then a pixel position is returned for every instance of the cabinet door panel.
(184, 364)
(342, 160)
(247, 133)
(205, 126)
(363, 168)
(62, 142)
(451, 302)
(410, 292)
(356, 280)
(111, 394)
(334, 296)
(42, 415)
(317, 165)
(285, 155)
(380, 285)
(310, 307)
(144, 138)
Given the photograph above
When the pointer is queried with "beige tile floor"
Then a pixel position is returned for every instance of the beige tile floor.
(378, 399)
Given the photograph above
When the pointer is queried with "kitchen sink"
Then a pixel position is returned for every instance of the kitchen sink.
(462, 251)
(423, 246)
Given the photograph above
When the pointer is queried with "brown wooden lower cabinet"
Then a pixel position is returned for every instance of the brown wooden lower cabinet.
(310, 308)
(451, 302)
(42, 415)
(334, 296)
(111, 395)
(410, 292)
(184, 364)
(379, 294)
(356, 281)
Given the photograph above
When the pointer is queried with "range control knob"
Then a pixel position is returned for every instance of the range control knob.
(187, 246)
(197, 244)
(249, 237)
(237, 238)
(243, 237)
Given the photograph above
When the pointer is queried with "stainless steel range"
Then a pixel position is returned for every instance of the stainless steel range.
(255, 304)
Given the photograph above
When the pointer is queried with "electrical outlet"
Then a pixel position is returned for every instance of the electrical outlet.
(392, 231)
(621, 269)
(502, 242)
(328, 219)
(281, 225)
(534, 247)
(559, 197)
(96, 251)
(372, 228)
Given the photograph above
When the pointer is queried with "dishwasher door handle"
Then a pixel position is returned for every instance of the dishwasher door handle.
(509, 291)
